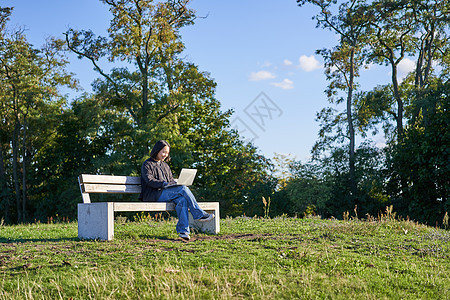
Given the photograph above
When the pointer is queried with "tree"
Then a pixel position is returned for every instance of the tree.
(30, 80)
(79, 143)
(422, 159)
(230, 170)
(431, 43)
(416, 28)
(393, 27)
(156, 94)
(5, 12)
(155, 87)
(342, 65)
(282, 168)
(146, 35)
(405, 28)
(307, 192)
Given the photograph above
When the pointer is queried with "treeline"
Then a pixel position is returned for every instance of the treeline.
(47, 140)
(412, 171)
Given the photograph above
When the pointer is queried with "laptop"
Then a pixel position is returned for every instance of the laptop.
(186, 177)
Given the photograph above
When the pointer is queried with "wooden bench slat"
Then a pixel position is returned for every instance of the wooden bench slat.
(111, 188)
(109, 179)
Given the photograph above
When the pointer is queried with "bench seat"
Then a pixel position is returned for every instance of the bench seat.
(96, 220)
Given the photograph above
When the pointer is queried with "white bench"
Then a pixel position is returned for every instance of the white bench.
(96, 220)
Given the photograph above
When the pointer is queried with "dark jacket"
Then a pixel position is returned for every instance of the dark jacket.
(154, 176)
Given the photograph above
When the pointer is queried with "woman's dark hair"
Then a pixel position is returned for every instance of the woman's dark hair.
(158, 147)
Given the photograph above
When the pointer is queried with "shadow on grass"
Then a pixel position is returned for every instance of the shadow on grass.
(197, 237)
(146, 237)
(159, 237)
(32, 267)
(12, 241)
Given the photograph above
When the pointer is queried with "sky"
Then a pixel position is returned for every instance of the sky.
(261, 54)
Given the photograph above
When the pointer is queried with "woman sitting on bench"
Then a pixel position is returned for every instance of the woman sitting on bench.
(158, 185)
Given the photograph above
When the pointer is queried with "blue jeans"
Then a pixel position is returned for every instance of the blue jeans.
(185, 202)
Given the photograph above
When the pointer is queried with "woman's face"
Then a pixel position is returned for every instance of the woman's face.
(163, 153)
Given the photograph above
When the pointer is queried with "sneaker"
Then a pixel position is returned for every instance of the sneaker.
(206, 218)
(185, 236)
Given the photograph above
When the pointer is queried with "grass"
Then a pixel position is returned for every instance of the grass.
(252, 258)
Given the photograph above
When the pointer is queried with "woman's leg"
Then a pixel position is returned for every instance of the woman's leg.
(183, 215)
(185, 202)
(191, 202)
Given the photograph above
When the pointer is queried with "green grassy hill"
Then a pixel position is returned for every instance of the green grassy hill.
(281, 258)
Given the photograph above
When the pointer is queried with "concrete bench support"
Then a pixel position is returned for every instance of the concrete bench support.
(96, 220)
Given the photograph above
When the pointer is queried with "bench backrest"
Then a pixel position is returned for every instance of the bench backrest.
(106, 184)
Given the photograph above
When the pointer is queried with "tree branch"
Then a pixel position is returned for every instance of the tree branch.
(108, 78)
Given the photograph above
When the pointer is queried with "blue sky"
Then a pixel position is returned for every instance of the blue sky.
(261, 54)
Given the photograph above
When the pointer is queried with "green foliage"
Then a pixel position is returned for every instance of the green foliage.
(81, 145)
(322, 187)
(236, 176)
(149, 91)
(412, 172)
(282, 168)
(304, 190)
(160, 96)
(422, 158)
(152, 94)
(29, 96)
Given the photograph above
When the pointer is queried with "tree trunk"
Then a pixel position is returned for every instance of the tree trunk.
(399, 101)
(24, 173)
(4, 187)
(403, 181)
(351, 130)
(16, 171)
(145, 104)
(423, 68)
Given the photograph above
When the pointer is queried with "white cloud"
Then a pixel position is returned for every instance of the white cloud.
(309, 63)
(264, 64)
(287, 62)
(286, 84)
(405, 66)
(261, 75)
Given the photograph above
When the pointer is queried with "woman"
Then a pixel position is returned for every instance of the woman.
(158, 185)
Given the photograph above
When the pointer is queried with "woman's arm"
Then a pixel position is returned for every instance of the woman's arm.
(149, 176)
(169, 174)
